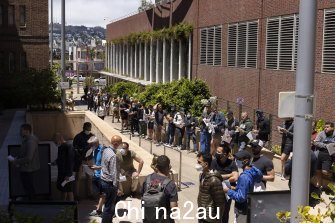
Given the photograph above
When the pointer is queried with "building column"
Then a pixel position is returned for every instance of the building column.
(140, 62)
(189, 57)
(122, 64)
(151, 62)
(181, 61)
(159, 61)
(120, 60)
(173, 61)
(127, 59)
(136, 61)
(131, 61)
(106, 56)
(117, 58)
(146, 62)
(165, 72)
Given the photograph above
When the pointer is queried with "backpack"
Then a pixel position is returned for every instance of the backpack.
(155, 198)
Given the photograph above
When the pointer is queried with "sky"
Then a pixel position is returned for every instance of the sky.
(93, 12)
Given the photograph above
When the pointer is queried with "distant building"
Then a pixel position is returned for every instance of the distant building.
(24, 36)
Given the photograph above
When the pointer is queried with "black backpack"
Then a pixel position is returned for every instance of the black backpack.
(155, 198)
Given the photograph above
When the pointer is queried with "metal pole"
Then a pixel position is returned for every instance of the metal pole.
(164, 150)
(150, 146)
(77, 78)
(51, 33)
(303, 106)
(179, 174)
(63, 52)
(139, 140)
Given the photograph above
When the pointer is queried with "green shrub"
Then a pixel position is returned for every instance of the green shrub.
(128, 88)
(320, 125)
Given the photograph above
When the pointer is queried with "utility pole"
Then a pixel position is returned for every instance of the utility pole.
(303, 113)
(63, 52)
(51, 35)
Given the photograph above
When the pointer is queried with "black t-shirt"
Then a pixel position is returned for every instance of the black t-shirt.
(263, 164)
(227, 168)
(123, 107)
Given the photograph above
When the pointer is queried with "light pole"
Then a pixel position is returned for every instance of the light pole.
(63, 52)
(303, 112)
(51, 31)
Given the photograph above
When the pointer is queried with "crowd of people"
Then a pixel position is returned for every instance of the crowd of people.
(111, 174)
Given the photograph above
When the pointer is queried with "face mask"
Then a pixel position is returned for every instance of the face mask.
(94, 147)
(87, 132)
(188, 116)
(198, 167)
(123, 151)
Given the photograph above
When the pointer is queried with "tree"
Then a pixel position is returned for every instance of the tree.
(145, 5)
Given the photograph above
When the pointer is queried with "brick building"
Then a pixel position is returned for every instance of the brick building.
(23, 35)
(242, 49)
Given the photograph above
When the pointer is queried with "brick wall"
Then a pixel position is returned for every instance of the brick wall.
(33, 39)
(259, 87)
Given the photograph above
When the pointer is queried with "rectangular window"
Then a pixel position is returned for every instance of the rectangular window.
(243, 44)
(22, 15)
(328, 54)
(11, 15)
(23, 61)
(1, 15)
(281, 42)
(2, 62)
(211, 45)
(11, 62)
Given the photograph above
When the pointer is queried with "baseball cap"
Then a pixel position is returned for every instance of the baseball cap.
(242, 155)
(256, 143)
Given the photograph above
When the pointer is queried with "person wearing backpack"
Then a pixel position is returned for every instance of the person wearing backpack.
(159, 191)
(211, 195)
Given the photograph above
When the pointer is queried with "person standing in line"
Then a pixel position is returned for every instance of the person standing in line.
(159, 121)
(110, 173)
(287, 141)
(245, 184)
(171, 127)
(65, 164)
(97, 156)
(28, 160)
(179, 123)
(205, 135)
(159, 182)
(243, 129)
(264, 164)
(322, 142)
(190, 124)
(81, 146)
(211, 195)
(230, 126)
(101, 110)
(226, 166)
(263, 127)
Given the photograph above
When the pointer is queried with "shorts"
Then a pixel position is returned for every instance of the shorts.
(97, 187)
(287, 149)
(151, 125)
(324, 161)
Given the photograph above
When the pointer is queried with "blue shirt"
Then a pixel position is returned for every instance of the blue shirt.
(97, 155)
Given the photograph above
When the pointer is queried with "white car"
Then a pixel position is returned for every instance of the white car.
(81, 78)
(100, 81)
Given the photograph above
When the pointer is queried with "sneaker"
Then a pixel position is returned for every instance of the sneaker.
(95, 213)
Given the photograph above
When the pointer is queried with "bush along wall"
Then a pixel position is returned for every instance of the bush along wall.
(179, 31)
(182, 93)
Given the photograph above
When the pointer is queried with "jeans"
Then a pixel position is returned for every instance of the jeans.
(180, 135)
(27, 179)
(110, 192)
(134, 126)
(189, 136)
(142, 128)
(170, 134)
(205, 141)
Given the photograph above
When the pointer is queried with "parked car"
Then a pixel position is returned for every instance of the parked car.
(81, 78)
(100, 81)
